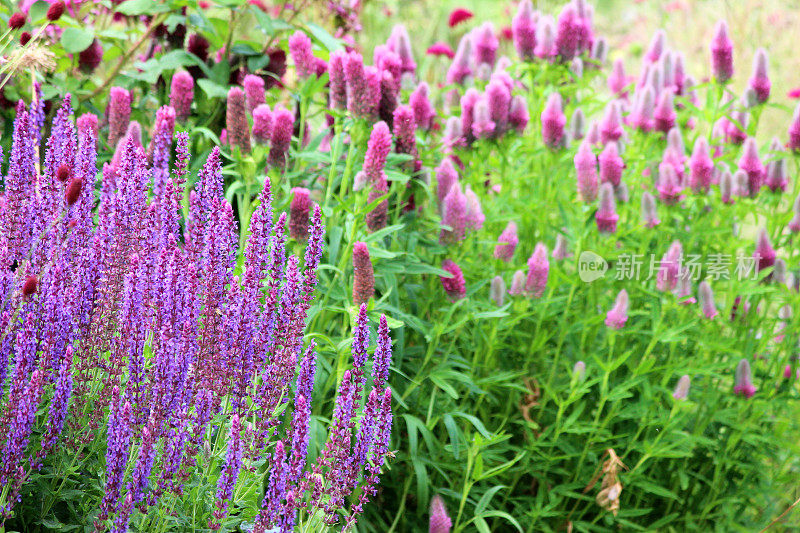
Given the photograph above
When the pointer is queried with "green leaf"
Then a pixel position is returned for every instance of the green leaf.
(75, 40)
(38, 10)
(212, 89)
(330, 42)
(141, 7)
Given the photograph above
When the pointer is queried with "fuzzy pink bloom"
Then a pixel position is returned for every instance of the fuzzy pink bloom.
(669, 187)
(617, 80)
(454, 216)
(87, 122)
(722, 53)
(523, 28)
(569, 33)
(726, 187)
(606, 216)
(254, 91)
(642, 115)
(378, 148)
(485, 44)
(706, 296)
(281, 136)
(236, 120)
(458, 15)
(593, 134)
(400, 43)
(611, 124)
(119, 114)
(337, 80)
(517, 283)
(664, 114)
(181, 94)
(618, 315)
(538, 269)
(794, 224)
(586, 172)
(611, 164)
(452, 136)
(649, 211)
(460, 69)
(681, 391)
(454, 286)
(759, 81)
(518, 117)
(483, 127)
(359, 101)
(744, 380)
(553, 122)
(701, 167)
(750, 162)
(298, 214)
(498, 97)
(764, 254)
(560, 250)
(794, 131)
(446, 176)
(363, 274)
(776, 171)
(421, 104)
(377, 218)
(300, 50)
(405, 135)
(440, 49)
(262, 123)
(475, 216)
(546, 38)
(507, 243)
(439, 522)
(657, 46)
(670, 268)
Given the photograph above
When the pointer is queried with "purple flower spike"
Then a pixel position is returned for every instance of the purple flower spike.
(618, 314)
(538, 269)
(701, 167)
(378, 148)
(236, 120)
(363, 275)
(657, 46)
(664, 113)
(87, 123)
(230, 470)
(475, 216)
(586, 171)
(421, 104)
(523, 30)
(498, 97)
(649, 212)
(726, 187)
(764, 254)
(485, 44)
(750, 162)
(300, 50)
(794, 131)
(405, 135)
(507, 243)
(611, 124)
(568, 33)
(337, 80)
(777, 172)
(439, 521)
(298, 214)
(254, 91)
(670, 268)
(553, 122)
(483, 127)
(181, 94)
(546, 38)
(400, 43)
(446, 176)
(681, 391)
(606, 215)
(561, 251)
(281, 137)
(611, 165)
(454, 215)
(759, 81)
(744, 380)
(119, 114)
(642, 115)
(618, 80)
(262, 124)
(518, 116)
(706, 298)
(460, 69)
(722, 53)
(669, 187)
(468, 102)
(454, 286)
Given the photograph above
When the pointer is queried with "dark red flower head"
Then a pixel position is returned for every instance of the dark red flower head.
(73, 191)
(459, 15)
(17, 20)
(30, 285)
(55, 10)
(24, 37)
(198, 45)
(90, 58)
(63, 173)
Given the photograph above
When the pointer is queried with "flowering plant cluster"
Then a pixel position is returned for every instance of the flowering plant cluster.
(550, 234)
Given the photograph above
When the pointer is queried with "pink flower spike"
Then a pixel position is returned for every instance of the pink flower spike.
(618, 315)
(485, 44)
(681, 391)
(119, 114)
(611, 165)
(507, 243)
(657, 46)
(606, 216)
(440, 49)
(794, 224)
(498, 98)
(794, 131)
(300, 50)
(706, 297)
(461, 67)
(446, 176)
(670, 268)
(457, 16)
(759, 81)
(254, 91)
(236, 120)
(518, 116)
(439, 521)
(586, 172)
(764, 254)
(722, 54)
(744, 380)
(726, 187)
(701, 167)
(538, 269)
(475, 216)
(483, 127)
(777, 171)
(517, 283)
(523, 29)
(750, 162)
(611, 124)
(181, 94)
(262, 123)
(664, 114)
(553, 122)
(420, 103)
(669, 188)
(649, 212)
(560, 250)
(454, 286)
(794, 93)
(454, 216)
(617, 80)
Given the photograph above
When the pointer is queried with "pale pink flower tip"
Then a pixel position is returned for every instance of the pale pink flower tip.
(701, 167)
(722, 53)
(517, 283)
(454, 286)
(759, 81)
(523, 29)
(617, 80)
(750, 163)
(606, 215)
(560, 250)
(682, 388)
(439, 522)
(649, 212)
(538, 270)
(706, 297)
(586, 172)
(744, 380)
(670, 267)
(507, 243)
(553, 122)
(765, 254)
(618, 315)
